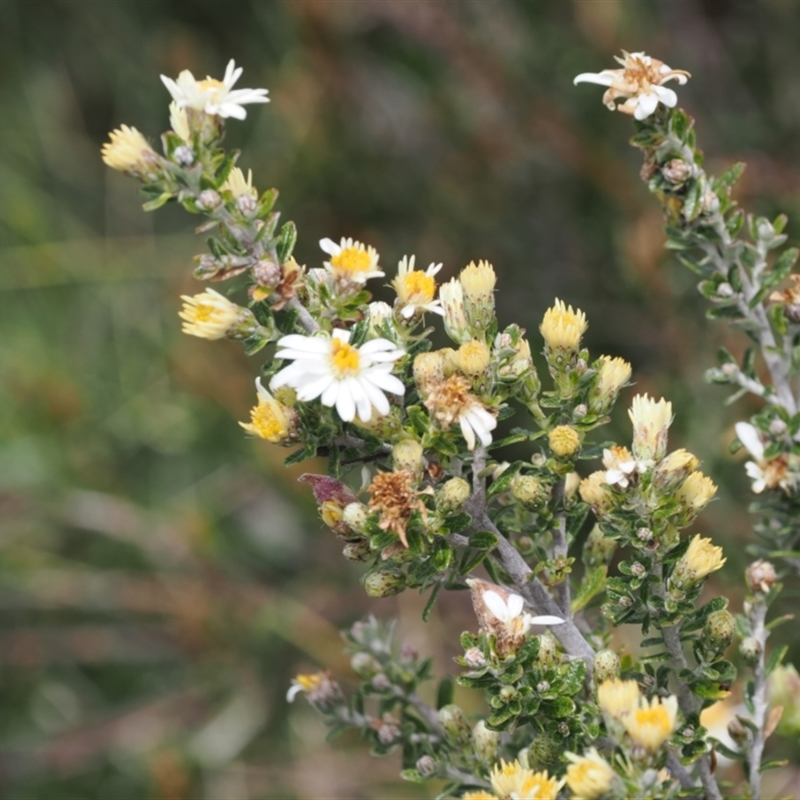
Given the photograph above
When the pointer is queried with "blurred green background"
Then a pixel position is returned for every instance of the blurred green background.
(161, 576)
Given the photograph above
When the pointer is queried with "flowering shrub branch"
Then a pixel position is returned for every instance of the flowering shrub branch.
(357, 381)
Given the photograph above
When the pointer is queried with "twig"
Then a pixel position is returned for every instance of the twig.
(757, 615)
(560, 548)
(531, 588)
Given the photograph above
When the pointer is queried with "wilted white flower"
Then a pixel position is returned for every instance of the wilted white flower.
(347, 377)
(212, 96)
(772, 473)
(510, 614)
(639, 82)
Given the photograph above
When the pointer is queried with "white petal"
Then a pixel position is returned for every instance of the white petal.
(330, 247)
(294, 690)
(467, 432)
(594, 77)
(666, 96)
(341, 335)
(374, 346)
(385, 381)
(546, 619)
(262, 393)
(749, 437)
(308, 344)
(345, 405)
(496, 605)
(514, 603)
(312, 389)
(331, 394)
(362, 401)
(646, 106)
(408, 312)
(376, 396)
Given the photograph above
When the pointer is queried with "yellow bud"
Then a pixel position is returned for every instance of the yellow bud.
(472, 358)
(612, 375)
(478, 282)
(674, 469)
(564, 441)
(428, 370)
(128, 151)
(589, 776)
(651, 420)
(211, 316)
(455, 317)
(596, 492)
(651, 724)
(701, 559)
(407, 455)
(562, 327)
(618, 699)
(697, 492)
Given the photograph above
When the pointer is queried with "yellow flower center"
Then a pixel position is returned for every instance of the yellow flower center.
(344, 359)
(266, 423)
(419, 285)
(352, 259)
(204, 312)
(657, 717)
(209, 83)
(309, 682)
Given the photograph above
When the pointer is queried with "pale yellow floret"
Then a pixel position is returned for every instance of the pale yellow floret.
(618, 699)
(651, 724)
(562, 327)
(613, 374)
(238, 185)
(478, 280)
(472, 358)
(564, 441)
(651, 420)
(269, 420)
(354, 259)
(209, 315)
(451, 295)
(697, 490)
(701, 559)
(508, 777)
(679, 461)
(595, 491)
(480, 795)
(415, 287)
(428, 370)
(589, 776)
(126, 149)
(539, 787)
(179, 121)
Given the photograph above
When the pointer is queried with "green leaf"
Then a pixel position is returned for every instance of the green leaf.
(559, 708)
(503, 483)
(483, 540)
(287, 239)
(444, 694)
(426, 612)
(775, 658)
(412, 775)
(592, 584)
(152, 205)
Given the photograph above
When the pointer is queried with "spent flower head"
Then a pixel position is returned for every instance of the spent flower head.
(270, 419)
(394, 496)
(640, 83)
(353, 379)
(450, 401)
(212, 96)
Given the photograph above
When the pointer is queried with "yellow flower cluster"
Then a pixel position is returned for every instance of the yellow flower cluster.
(512, 781)
(562, 327)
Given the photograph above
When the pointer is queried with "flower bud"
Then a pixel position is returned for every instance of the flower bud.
(455, 725)
(183, 155)
(474, 658)
(478, 282)
(473, 359)
(428, 370)
(606, 666)
(544, 753)
(572, 482)
(651, 420)
(247, 205)
(596, 492)
(562, 329)
(548, 655)
(128, 151)
(598, 548)
(760, 576)
(750, 650)
(612, 375)
(673, 470)
(365, 665)
(455, 318)
(267, 273)
(208, 199)
(355, 516)
(407, 455)
(676, 170)
(452, 495)
(357, 551)
(388, 733)
(701, 559)
(426, 766)
(737, 731)
(384, 584)
(564, 441)
(719, 631)
(485, 742)
(696, 492)
(530, 491)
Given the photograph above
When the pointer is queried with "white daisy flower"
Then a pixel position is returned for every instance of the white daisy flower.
(758, 471)
(351, 261)
(345, 377)
(622, 467)
(212, 96)
(510, 614)
(639, 82)
(416, 289)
